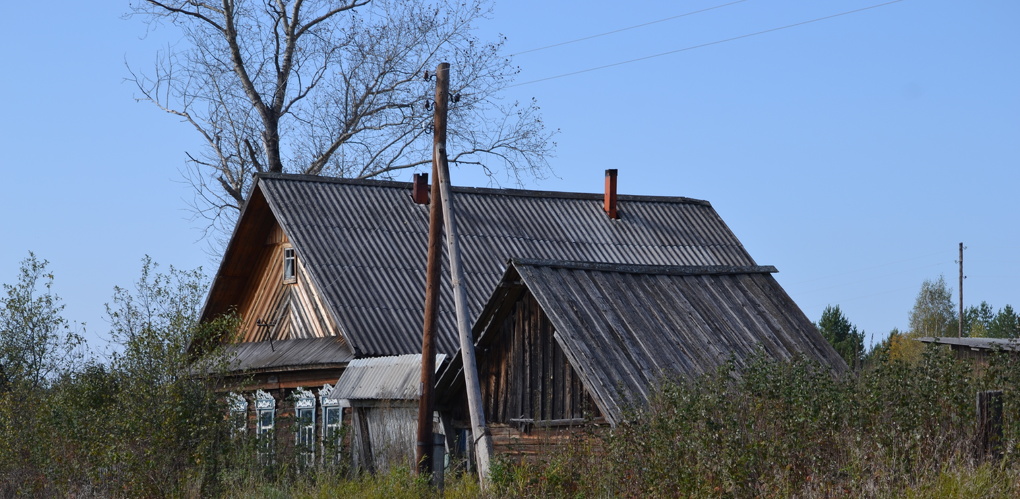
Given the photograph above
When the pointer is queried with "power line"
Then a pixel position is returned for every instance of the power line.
(627, 28)
(884, 275)
(873, 267)
(717, 42)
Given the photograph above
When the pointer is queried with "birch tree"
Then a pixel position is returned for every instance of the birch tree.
(331, 87)
(933, 313)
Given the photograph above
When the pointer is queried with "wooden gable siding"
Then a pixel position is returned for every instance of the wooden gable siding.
(524, 373)
(296, 307)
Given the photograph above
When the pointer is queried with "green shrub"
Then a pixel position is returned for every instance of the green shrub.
(794, 429)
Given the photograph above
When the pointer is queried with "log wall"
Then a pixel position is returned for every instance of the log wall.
(525, 375)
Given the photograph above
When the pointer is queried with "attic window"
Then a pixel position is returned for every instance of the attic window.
(289, 261)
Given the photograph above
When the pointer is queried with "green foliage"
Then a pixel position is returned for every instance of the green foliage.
(981, 322)
(147, 423)
(842, 335)
(36, 342)
(1006, 324)
(141, 425)
(880, 351)
(976, 320)
(933, 313)
(783, 429)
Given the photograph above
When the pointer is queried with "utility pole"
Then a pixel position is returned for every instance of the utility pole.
(479, 431)
(959, 333)
(426, 402)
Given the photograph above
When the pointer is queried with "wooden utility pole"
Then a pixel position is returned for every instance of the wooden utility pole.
(426, 403)
(959, 333)
(479, 432)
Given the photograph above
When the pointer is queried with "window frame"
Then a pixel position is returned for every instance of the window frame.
(238, 405)
(265, 405)
(304, 434)
(289, 265)
(331, 432)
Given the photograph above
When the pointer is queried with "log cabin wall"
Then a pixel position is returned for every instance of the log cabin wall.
(295, 306)
(540, 444)
(525, 375)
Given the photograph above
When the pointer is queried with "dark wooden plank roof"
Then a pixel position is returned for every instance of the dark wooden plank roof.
(626, 327)
(307, 353)
(364, 244)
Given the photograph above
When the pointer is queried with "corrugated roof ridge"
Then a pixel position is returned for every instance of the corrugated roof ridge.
(645, 269)
(485, 190)
(385, 360)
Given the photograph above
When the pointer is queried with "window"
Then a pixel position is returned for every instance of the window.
(331, 420)
(238, 413)
(289, 267)
(265, 407)
(304, 412)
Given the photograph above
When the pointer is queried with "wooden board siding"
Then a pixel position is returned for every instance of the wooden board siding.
(390, 427)
(524, 373)
(537, 444)
(295, 307)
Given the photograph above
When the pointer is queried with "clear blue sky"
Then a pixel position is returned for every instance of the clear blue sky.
(852, 153)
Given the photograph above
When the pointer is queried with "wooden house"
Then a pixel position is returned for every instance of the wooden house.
(325, 271)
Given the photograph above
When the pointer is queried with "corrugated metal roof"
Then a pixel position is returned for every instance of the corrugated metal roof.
(281, 355)
(365, 245)
(382, 378)
(624, 327)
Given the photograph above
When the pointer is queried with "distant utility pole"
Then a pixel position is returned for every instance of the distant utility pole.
(959, 334)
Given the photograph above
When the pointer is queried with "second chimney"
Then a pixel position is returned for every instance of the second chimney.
(610, 198)
(420, 188)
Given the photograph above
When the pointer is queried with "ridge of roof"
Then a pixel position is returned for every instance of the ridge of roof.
(678, 270)
(394, 184)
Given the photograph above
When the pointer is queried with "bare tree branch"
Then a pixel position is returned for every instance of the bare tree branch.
(331, 87)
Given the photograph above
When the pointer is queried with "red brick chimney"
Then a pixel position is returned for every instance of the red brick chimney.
(420, 188)
(610, 198)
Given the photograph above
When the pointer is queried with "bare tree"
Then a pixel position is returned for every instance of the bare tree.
(323, 87)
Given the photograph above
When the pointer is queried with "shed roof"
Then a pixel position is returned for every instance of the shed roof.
(382, 378)
(624, 328)
(307, 353)
(1004, 344)
(364, 243)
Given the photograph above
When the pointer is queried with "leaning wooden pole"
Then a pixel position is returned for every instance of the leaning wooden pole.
(426, 403)
(479, 432)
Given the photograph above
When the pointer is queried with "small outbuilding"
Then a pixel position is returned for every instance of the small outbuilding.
(383, 394)
(976, 350)
(563, 344)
